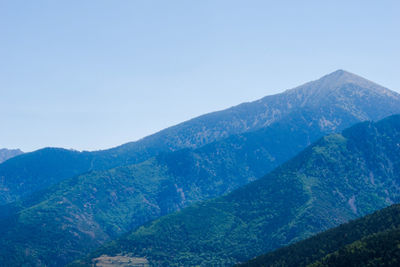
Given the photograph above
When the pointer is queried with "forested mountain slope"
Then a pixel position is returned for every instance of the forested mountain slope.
(373, 240)
(339, 178)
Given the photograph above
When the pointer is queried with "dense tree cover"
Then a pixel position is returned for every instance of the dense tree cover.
(340, 177)
(381, 249)
(373, 240)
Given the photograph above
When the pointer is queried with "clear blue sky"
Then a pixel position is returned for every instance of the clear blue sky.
(95, 74)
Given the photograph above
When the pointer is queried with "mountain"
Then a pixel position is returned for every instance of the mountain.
(6, 154)
(98, 206)
(373, 240)
(339, 178)
(334, 102)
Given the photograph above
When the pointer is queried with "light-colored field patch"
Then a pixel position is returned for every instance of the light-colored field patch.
(126, 261)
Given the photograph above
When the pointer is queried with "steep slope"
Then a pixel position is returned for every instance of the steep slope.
(337, 101)
(6, 154)
(340, 177)
(373, 240)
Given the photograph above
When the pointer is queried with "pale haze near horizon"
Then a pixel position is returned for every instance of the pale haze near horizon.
(91, 75)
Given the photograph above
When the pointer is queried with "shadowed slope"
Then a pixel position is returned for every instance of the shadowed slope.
(373, 240)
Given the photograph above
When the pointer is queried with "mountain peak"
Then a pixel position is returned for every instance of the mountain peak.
(336, 80)
(339, 72)
(342, 77)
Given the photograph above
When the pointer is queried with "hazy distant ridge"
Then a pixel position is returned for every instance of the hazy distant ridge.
(6, 154)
